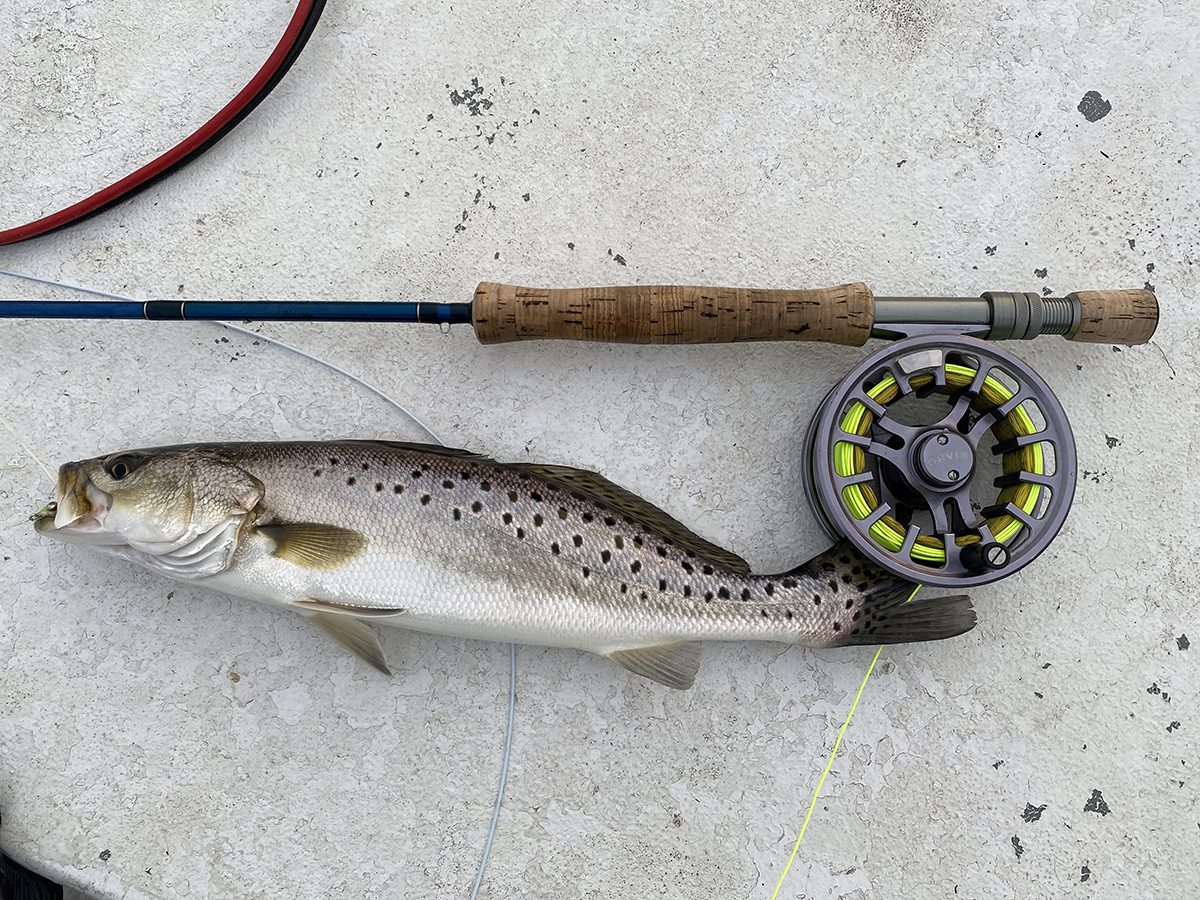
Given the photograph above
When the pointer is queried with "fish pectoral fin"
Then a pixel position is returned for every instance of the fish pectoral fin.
(355, 636)
(313, 545)
(347, 609)
(673, 664)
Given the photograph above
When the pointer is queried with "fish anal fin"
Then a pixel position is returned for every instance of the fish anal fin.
(673, 664)
(603, 492)
(355, 636)
(313, 545)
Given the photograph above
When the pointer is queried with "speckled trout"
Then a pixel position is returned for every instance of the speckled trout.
(445, 541)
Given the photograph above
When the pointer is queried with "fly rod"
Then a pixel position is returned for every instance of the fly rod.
(675, 314)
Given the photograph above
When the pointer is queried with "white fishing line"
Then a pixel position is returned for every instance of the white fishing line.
(404, 410)
(28, 450)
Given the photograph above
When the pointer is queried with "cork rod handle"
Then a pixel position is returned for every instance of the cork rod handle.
(672, 314)
(1115, 317)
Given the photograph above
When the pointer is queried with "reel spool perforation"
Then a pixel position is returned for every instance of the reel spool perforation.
(899, 462)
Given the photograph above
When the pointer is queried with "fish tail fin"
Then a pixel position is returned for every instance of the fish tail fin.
(876, 606)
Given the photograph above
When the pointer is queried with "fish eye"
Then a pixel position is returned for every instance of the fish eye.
(120, 467)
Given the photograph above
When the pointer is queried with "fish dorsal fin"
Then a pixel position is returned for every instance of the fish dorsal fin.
(313, 545)
(354, 636)
(600, 490)
(347, 609)
(672, 664)
(414, 447)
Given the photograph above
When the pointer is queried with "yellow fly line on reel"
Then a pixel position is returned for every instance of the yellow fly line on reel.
(850, 460)
(880, 481)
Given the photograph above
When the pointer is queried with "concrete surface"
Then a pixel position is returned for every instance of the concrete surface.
(157, 741)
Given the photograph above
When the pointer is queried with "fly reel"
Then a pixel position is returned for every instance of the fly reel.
(944, 459)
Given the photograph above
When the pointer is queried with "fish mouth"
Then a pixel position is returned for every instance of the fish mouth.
(79, 512)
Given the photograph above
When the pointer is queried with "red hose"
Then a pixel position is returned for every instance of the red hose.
(298, 30)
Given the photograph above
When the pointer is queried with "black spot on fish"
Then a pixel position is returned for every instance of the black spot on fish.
(863, 585)
(1096, 804)
(1084, 872)
(849, 603)
(1017, 848)
(520, 534)
(708, 595)
(635, 566)
(562, 512)
(764, 613)
(605, 555)
(643, 595)
(619, 542)
(788, 613)
(610, 521)
(688, 567)
(723, 593)
(538, 520)
(662, 551)
(624, 588)
(816, 599)
(745, 593)
(1033, 813)
(366, 467)
(457, 514)
(587, 517)
(447, 484)
(789, 583)
(856, 570)
(586, 571)
(707, 570)
(316, 473)
(577, 540)
(554, 548)
(769, 587)
(857, 615)
(638, 542)
(425, 498)
(837, 626)
(833, 585)
(379, 487)
(351, 481)
(333, 460)
(485, 485)
(398, 489)
(507, 517)
(416, 473)
(512, 495)
(476, 507)
(535, 497)
(846, 579)
(1182, 642)
(464, 475)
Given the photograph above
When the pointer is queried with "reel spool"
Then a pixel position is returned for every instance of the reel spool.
(944, 459)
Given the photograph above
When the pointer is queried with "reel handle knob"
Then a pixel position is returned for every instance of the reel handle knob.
(672, 314)
(1115, 317)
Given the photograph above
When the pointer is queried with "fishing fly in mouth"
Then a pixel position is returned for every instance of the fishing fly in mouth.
(355, 533)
